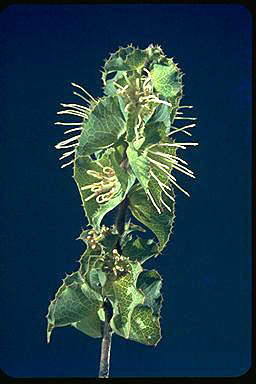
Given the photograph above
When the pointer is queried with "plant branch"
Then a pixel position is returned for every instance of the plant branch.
(107, 332)
(120, 219)
(106, 343)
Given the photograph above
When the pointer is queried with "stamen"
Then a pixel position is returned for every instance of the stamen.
(181, 170)
(172, 145)
(59, 123)
(185, 118)
(71, 112)
(66, 154)
(137, 126)
(82, 97)
(182, 166)
(104, 197)
(175, 163)
(153, 201)
(78, 106)
(177, 185)
(94, 174)
(99, 164)
(67, 141)
(147, 71)
(175, 144)
(127, 107)
(108, 171)
(97, 187)
(182, 129)
(147, 79)
(172, 157)
(162, 169)
(162, 101)
(66, 146)
(186, 106)
(73, 130)
(162, 185)
(157, 163)
(88, 187)
(166, 206)
(118, 85)
(65, 165)
(179, 159)
(90, 197)
(87, 93)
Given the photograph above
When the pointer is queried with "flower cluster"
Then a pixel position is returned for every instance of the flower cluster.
(139, 95)
(115, 264)
(124, 156)
(156, 83)
(93, 238)
(105, 189)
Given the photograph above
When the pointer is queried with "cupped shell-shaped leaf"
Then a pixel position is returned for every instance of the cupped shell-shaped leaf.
(104, 126)
(145, 327)
(144, 211)
(73, 302)
(126, 298)
(138, 249)
(88, 175)
(150, 282)
(166, 79)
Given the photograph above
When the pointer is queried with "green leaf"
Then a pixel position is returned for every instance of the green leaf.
(139, 164)
(139, 249)
(144, 211)
(126, 59)
(91, 325)
(104, 126)
(145, 328)
(150, 282)
(128, 229)
(110, 87)
(109, 241)
(131, 227)
(90, 269)
(126, 297)
(92, 275)
(74, 301)
(96, 211)
(155, 54)
(85, 263)
(126, 178)
(105, 208)
(131, 123)
(166, 79)
(161, 115)
(161, 157)
(154, 132)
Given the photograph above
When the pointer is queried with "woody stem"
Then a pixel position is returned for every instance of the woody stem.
(106, 342)
(107, 332)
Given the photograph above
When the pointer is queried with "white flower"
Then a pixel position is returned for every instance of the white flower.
(105, 189)
(78, 111)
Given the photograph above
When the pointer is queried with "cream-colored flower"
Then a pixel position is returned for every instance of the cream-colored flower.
(164, 162)
(78, 111)
(105, 189)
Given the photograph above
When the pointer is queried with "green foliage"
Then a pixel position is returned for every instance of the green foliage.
(144, 211)
(104, 126)
(124, 156)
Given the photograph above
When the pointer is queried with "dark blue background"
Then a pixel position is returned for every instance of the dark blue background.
(206, 315)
